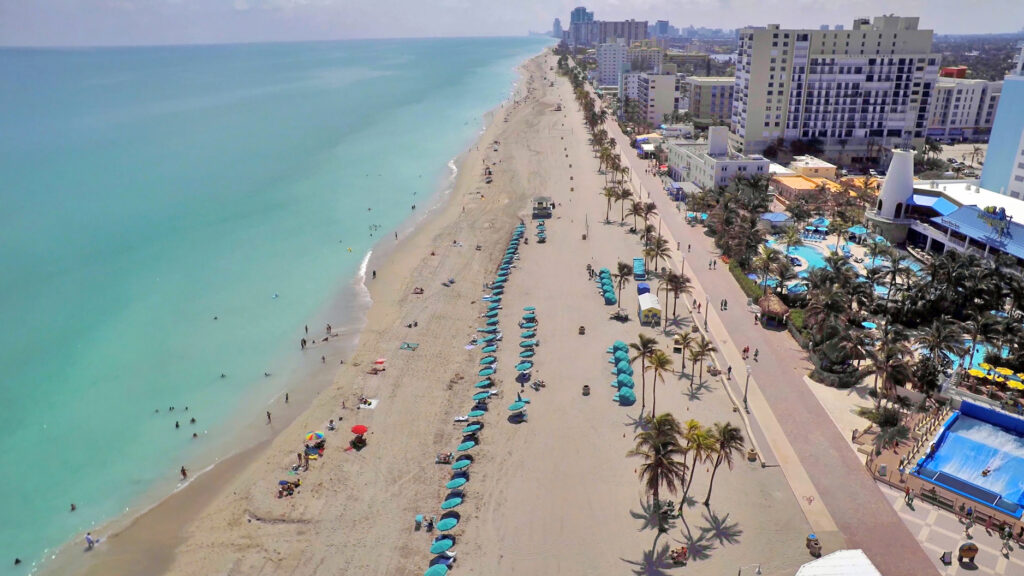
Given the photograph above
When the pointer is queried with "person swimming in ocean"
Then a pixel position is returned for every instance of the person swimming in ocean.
(986, 472)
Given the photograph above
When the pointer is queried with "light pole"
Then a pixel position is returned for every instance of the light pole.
(757, 571)
(746, 387)
(707, 310)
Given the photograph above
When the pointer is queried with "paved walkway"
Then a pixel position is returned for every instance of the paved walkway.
(940, 531)
(798, 428)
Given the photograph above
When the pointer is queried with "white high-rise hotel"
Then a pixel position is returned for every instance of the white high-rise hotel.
(859, 91)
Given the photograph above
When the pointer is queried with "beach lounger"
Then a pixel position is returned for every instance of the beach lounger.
(411, 346)
(462, 418)
(419, 521)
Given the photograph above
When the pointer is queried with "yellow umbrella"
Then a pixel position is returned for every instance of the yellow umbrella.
(985, 366)
(1020, 375)
(1004, 370)
(1016, 385)
(999, 379)
(976, 373)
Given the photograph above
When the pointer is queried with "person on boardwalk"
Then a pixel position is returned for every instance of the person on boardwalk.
(906, 494)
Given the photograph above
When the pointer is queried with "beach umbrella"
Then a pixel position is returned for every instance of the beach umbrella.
(527, 344)
(624, 368)
(465, 446)
(461, 464)
(436, 570)
(488, 360)
(495, 298)
(471, 428)
(620, 356)
(528, 334)
(1015, 385)
(503, 267)
(314, 436)
(528, 325)
(529, 316)
(476, 413)
(456, 483)
(486, 339)
(491, 314)
(626, 397)
(527, 354)
(497, 292)
(620, 345)
(441, 545)
(486, 372)
(446, 524)
(1019, 374)
(516, 406)
(485, 383)
(985, 366)
(494, 306)
(528, 308)
(492, 322)
(359, 429)
(489, 349)
(1004, 370)
(624, 381)
(502, 274)
(976, 373)
(522, 366)
(481, 396)
(487, 329)
(869, 325)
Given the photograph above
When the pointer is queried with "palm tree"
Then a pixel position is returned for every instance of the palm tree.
(677, 284)
(610, 194)
(891, 361)
(645, 346)
(791, 238)
(700, 444)
(624, 195)
(767, 261)
(657, 250)
(658, 364)
(664, 459)
(635, 209)
(942, 337)
(728, 442)
(622, 275)
(685, 342)
(704, 349)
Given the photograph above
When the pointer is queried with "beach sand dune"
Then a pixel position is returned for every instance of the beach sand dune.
(551, 496)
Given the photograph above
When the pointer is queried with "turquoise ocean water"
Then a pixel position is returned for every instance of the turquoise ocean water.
(144, 191)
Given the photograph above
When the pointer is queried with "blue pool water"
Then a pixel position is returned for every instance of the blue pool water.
(813, 256)
(971, 446)
(978, 357)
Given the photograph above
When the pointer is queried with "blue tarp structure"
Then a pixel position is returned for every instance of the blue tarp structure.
(858, 230)
(821, 222)
(643, 288)
(776, 217)
(937, 203)
(970, 221)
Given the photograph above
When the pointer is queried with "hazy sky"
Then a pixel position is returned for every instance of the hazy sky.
(105, 22)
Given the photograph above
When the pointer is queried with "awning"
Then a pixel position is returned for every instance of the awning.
(858, 230)
(647, 147)
(937, 203)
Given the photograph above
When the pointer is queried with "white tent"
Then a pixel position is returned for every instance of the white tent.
(650, 309)
(840, 563)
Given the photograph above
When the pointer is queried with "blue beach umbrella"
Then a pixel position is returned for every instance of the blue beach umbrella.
(527, 354)
(620, 345)
(492, 322)
(486, 372)
(441, 545)
(626, 397)
(624, 381)
(436, 570)
(528, 308)
(481, 396)
(471, 428)
(486, 383)
(493, 306)
(528, 325)
(516, 406)
(486, 339)
(446, 524)
(461, 464)
(489, 349)
(624, 368)
(528, 334)
(488, 329)
(491, 314)
(869, 325)
(497, 292)
(453, 484)
(476, 413)
(495, 298)
(451, 503)
(529, 316)
(465, 446)
(620, 356)
(488, 360)
(524, 366)
(527, 343)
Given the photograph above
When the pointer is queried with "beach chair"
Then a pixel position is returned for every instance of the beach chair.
(411, 346)
(419, 521)
(946, 558)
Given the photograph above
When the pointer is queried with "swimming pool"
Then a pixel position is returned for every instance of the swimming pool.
(980, 351)
(813, 256)
(971, 444)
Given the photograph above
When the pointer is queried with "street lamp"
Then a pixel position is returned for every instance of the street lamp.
(707, 310)
(746, 387)
(757, 571)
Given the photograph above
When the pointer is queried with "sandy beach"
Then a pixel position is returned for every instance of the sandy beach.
(556, 494)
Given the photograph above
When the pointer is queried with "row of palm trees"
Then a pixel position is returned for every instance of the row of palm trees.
(672, 453)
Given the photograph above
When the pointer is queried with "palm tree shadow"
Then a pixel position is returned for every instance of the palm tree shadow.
(699, 547)
(655, 562)
(720, 529)
(637, 423)
(652, 519)
(698, 391)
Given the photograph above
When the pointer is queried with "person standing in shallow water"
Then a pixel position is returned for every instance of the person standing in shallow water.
(268, 416)
(184, 473)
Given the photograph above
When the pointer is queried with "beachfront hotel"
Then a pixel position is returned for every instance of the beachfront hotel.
(856, 90)
(940, 215)
(711, 163)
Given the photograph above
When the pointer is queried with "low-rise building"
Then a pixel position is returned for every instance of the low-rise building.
(792, 186)
(710, 98)
(710, 164)
(814, 167)
(963, 109)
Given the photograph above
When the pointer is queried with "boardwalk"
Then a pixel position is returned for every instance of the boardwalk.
(860, 511)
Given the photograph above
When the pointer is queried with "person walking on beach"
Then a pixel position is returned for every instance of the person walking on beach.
(285, 401)
(268, 417)
(302, 343)
(184, 473)
(307, 328)
(755, 354)
(90, 543)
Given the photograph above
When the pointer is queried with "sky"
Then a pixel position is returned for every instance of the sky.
(129, 22)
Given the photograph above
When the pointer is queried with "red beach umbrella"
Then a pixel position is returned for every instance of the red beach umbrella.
(380, 361)
(359, 429)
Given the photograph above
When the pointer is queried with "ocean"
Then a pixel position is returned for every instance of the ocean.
(169, 215)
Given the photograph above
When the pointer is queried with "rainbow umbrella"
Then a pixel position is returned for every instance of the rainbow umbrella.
(314, 436)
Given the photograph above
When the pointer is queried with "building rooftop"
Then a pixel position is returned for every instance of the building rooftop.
(809, 162)
(969, 193)
(779, 170)
(798, 182)
(711, 79)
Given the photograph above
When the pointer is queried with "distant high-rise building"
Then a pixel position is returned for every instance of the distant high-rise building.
(602, 31)
(580, 14)
(1004, 159)
(556, 29)
(859, 91)
(661, 28)
(710, 99)
(963, 108)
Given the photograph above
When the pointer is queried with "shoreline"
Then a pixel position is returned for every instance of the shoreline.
(129, 542)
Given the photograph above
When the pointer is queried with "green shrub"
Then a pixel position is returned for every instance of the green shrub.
(751, 288)
(796, 318)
